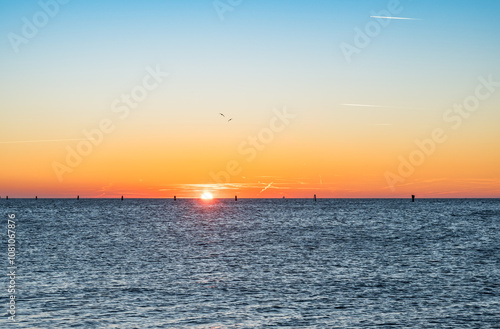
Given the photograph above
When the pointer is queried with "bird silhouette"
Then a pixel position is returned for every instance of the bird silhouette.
(229, 119)
(222, 115)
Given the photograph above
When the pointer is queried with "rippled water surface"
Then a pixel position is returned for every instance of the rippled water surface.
(255, 263)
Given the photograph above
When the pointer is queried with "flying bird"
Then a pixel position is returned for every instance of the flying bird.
(225, 116)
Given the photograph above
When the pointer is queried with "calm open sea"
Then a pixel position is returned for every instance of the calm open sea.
(254, 263)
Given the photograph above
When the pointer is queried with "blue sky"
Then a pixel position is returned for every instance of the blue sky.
(280, 40)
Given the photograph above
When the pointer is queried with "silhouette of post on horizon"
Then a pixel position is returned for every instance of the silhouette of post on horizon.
(235, 198)
(36, 197)
(122, 197)
(412, 198)
(78, 197)
(175, 198)
(7, 197)
(315, 198)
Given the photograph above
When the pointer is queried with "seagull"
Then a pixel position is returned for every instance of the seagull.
(229, 119)
(222, 115)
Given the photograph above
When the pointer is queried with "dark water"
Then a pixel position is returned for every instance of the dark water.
(255, 263)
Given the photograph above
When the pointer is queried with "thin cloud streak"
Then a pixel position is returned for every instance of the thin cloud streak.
(364, 105)
(45, 141)
(383, 107)
(401, 18)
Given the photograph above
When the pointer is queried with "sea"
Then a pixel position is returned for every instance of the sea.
(251, 263)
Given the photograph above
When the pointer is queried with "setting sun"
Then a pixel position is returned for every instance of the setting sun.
(207, 196)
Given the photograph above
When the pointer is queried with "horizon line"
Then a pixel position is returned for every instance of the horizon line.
(229, 198)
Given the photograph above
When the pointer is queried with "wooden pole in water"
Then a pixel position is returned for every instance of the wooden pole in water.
(122, 197)
(235, 198)
(175, 198)
(36, 197)
(7, 197)
(315, 198)
(412, 198)
(78, 197)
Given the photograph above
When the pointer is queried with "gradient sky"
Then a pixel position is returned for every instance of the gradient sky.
(264, 56)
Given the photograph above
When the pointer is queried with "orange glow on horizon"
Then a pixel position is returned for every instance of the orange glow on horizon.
(207, 196)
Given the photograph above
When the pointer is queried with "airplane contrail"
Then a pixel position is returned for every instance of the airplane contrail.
(45, 140)
(404, 18)
(265, 188)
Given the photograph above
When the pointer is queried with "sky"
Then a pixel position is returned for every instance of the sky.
(111, 98)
